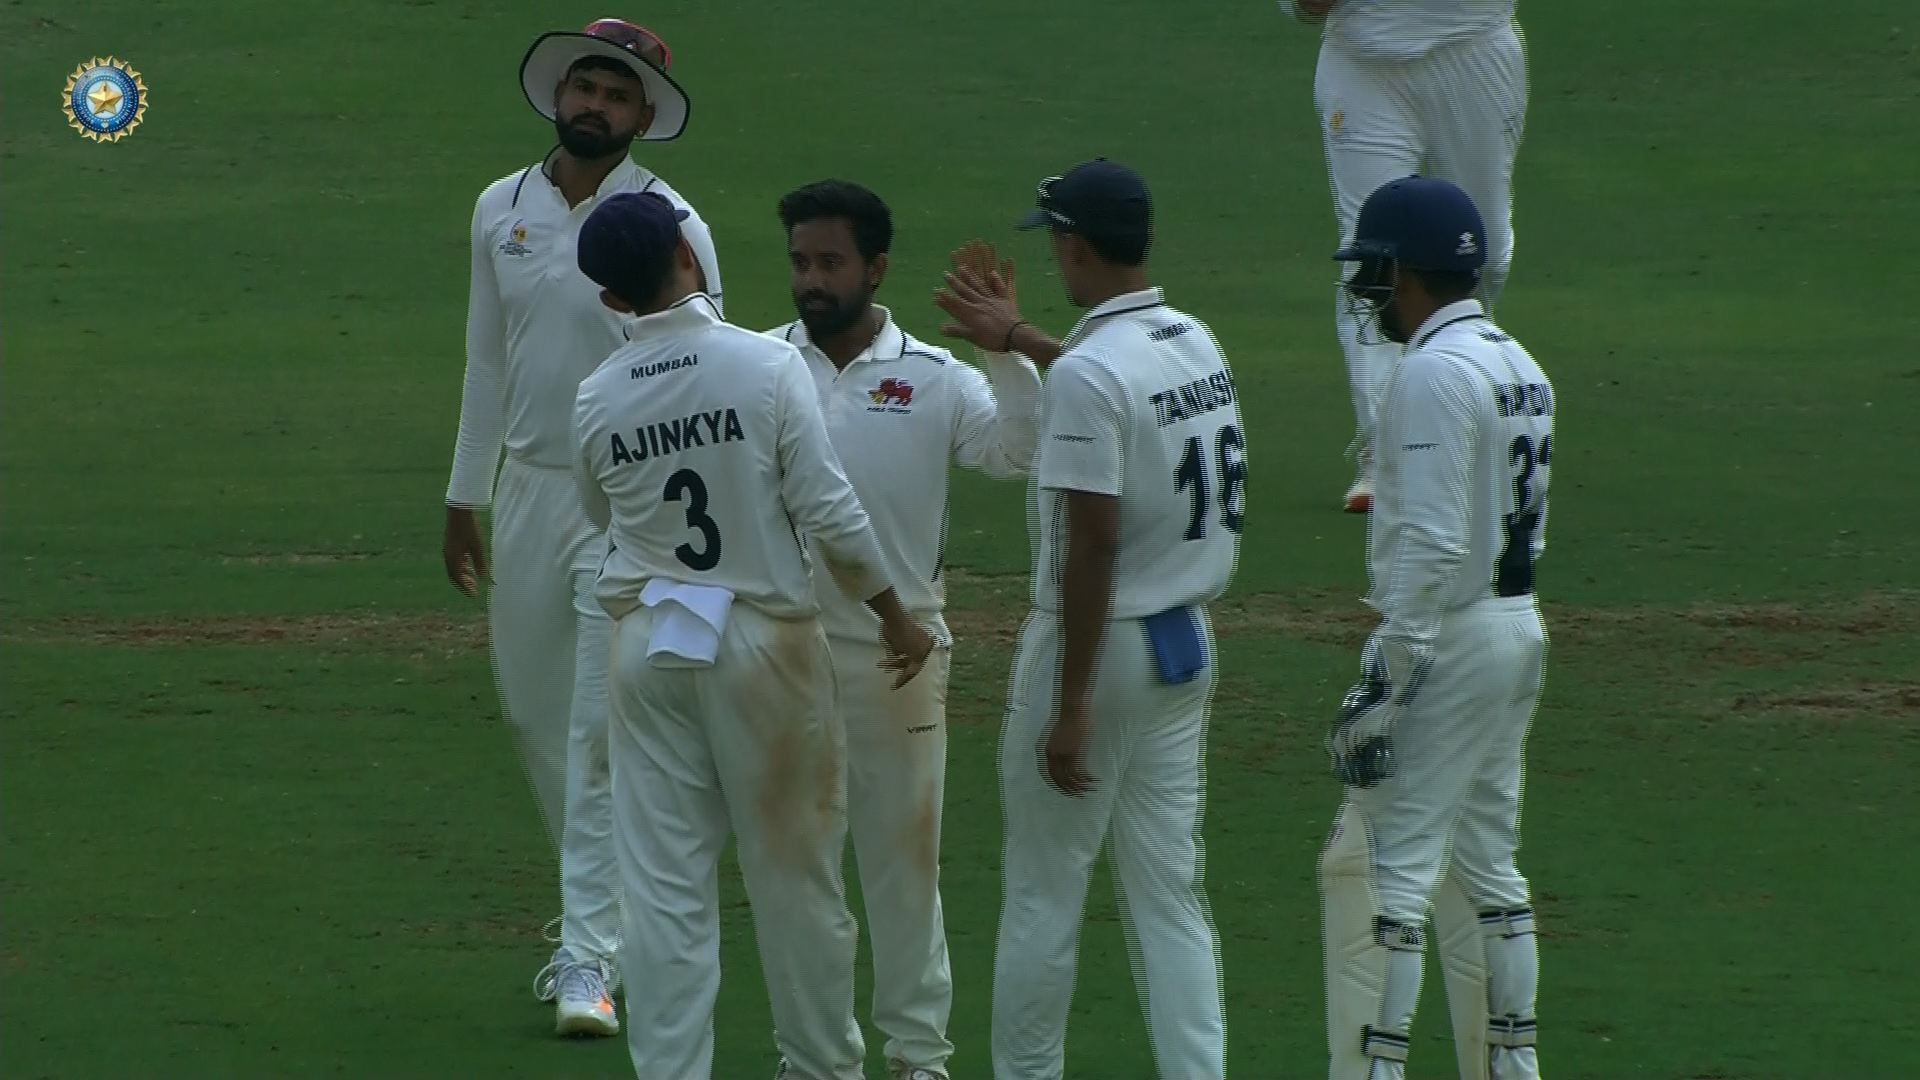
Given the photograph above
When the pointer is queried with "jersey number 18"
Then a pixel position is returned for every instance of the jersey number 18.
(1231, 452)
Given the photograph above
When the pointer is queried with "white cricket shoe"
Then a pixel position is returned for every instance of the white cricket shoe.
(585, 1005)
(900, 1070)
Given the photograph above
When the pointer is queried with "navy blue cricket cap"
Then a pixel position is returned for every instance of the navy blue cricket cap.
(1094, 198)
(626, 245)
(1421, 222)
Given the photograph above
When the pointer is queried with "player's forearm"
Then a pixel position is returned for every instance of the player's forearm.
(1029, 341)
(834, 518)
(1422, 577)
(1086, 597)
(856, 564)
(476, 449)
(483, 413)
(1005, 446)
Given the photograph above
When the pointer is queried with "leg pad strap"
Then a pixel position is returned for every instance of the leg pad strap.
(1383, 1044)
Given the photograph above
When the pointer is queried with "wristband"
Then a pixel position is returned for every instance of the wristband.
(1008, 345)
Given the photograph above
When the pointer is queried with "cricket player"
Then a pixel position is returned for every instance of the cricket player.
(899, 412)
(535, 328)
(1136, 508)
(701, 448)
(1430, 742)
(1404, 86)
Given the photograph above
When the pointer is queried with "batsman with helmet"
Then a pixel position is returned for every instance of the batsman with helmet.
(1429, 744)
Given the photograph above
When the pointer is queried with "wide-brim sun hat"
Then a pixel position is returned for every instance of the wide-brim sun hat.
(551, 54)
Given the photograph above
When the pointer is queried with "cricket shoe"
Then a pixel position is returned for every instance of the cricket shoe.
(900, 1070)
(585, 1004)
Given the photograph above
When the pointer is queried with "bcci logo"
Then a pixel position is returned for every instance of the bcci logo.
(104, 99)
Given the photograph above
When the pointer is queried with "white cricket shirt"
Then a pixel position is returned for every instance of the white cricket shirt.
(900, 414)
(1461, 464)
(700, 448)
(535, 323)
(1409, 29)
(1141, 404)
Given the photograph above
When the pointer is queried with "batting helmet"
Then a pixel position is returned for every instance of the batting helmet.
(1422, 223)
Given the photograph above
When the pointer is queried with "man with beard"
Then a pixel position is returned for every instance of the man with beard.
(899, 412)
(535, 329)
(1430, 743)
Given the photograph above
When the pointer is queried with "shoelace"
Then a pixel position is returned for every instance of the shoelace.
(547, 983)
(589, 978)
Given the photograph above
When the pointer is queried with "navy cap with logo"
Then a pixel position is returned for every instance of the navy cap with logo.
(1420, 222)
(1094, 198)
(626, 245)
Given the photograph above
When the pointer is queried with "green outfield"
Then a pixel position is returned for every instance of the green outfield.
(259, 816)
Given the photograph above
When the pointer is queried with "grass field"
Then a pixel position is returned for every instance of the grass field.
(260, 815)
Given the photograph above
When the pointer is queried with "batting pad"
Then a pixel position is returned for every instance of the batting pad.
(1372, 962)
(1463, 961)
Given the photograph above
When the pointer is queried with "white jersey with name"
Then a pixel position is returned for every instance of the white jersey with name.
(1141, 405)
(535, 323)
(900, 415)
(1464, 456)
(1409, 29)
(700, 448)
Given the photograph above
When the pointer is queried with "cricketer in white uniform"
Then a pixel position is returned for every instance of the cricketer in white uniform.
(1430, 742)
(1136, 508)
(1415, 86)
(900, 412)
(700, 446)
(535, 328)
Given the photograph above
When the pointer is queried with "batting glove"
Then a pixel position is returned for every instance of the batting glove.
(1360, 742)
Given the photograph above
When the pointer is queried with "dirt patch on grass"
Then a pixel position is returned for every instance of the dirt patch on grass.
(297, 558)
(987, 612)
(1863, 699)
(409, 633)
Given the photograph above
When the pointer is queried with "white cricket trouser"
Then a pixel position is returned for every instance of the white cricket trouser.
(750, 745)
(1146, 757)
(1457, 114)
(896, 785)
(1451, 807)
(550, 656)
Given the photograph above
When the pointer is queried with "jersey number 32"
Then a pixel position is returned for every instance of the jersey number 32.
(1230, 450)
(1513, 575)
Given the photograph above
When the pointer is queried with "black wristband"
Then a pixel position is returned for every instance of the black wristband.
(1008, 346)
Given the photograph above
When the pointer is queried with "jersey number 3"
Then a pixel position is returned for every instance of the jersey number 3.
(687, 486)
(1231, 451)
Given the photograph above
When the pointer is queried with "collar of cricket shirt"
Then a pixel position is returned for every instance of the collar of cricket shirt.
(890, 343)
(1123, 304)
(690, 312)
(1458, 311)
(626, 176)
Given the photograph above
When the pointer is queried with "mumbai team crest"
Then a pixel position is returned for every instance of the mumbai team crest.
(892, 395)
(105, 99)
